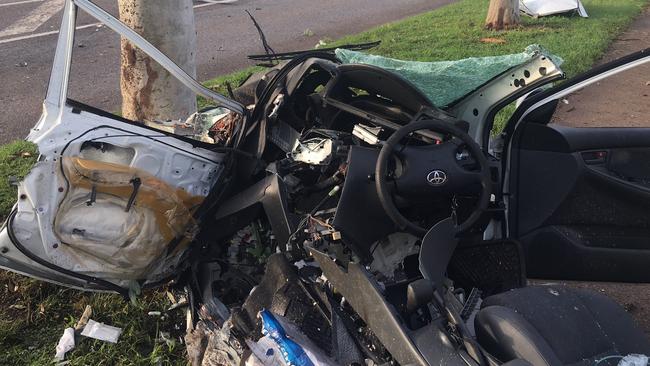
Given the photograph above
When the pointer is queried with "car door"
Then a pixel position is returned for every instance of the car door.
(578, 193)
(110, 202)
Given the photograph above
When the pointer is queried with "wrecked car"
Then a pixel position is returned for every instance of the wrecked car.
(329, 213)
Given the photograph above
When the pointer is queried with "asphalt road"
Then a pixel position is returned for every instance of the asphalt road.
(225, 36)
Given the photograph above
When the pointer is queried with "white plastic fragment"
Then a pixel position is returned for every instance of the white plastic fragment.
(540, 8)
(66, 343)
(264, 352)
(101, 331)
(634, 359)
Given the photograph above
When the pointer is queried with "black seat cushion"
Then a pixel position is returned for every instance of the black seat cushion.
(555, 325)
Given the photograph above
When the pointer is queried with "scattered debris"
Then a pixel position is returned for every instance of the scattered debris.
(179, 304)
(225, 127)
(66, 343)
(283, 344)
(492, 40)
(21, 64)
(308, 33)
(196, 341)
(171, 297)
(101, 331)
(85, 316)
(541, 8)
(167, 339)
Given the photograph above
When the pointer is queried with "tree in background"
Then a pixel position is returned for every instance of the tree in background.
(149, 92)
(502, 14)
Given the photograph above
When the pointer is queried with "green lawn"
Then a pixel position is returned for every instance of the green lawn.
(30, 329)
(35, 313)
(455, 32)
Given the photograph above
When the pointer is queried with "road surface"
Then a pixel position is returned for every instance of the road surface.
(225, 36)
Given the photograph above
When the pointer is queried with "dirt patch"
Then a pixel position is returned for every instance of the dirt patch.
(622, 100)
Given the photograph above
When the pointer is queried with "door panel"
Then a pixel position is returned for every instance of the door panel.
(107, 201)
(580, 202)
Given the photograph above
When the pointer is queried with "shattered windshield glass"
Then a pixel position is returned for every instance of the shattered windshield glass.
(445, 82)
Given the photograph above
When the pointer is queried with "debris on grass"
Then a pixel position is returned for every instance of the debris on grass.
(85, 316)
(183, 302)
(101, 331)
(66, 343)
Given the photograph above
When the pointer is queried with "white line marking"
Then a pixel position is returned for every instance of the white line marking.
(20, 2)
(49, 33)
(29, 36)
(34, 19)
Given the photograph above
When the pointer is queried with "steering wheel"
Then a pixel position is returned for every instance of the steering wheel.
(432, 170)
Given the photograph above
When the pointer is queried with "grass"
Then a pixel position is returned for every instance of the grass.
(34, 314)
(455, 32)
(16, 159)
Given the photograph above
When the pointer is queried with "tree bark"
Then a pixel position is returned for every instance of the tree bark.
(502, 14)
(149, 92)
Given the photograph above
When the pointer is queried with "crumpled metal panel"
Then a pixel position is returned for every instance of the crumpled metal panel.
(540, 8)
(116, 221)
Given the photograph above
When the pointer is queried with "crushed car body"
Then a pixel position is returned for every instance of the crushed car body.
(332, 213)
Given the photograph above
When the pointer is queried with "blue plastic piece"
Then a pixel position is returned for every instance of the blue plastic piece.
(292, 352)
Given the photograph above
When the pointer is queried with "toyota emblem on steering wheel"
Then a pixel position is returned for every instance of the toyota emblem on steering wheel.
(437, 177)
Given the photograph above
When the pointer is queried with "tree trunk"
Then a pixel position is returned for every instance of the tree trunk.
(502, 14)
(149, 92)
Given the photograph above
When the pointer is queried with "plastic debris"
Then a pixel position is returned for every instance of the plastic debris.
(445, 82)
(289, 342)
(634, 359)
(181, 303)
(101, 331)
(541, 8)
(265, 352)
(66, 343)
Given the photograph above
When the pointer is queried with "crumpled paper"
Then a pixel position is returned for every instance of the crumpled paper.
(66, 343)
